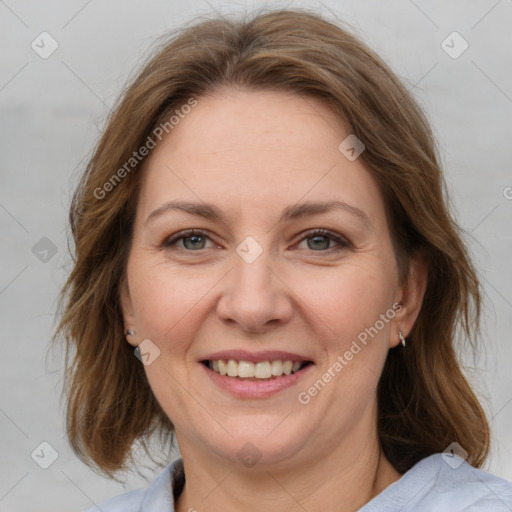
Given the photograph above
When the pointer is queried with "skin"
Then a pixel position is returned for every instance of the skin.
(252, 154)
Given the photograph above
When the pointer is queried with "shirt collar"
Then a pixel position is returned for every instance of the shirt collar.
(165, 489)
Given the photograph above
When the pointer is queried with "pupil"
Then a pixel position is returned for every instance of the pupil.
(194, 238)
(321, 238)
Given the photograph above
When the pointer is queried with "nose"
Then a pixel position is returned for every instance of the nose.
(254, 296)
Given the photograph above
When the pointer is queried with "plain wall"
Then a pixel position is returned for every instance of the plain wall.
(53, 109)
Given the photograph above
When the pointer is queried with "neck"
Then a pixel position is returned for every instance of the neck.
(344, 479)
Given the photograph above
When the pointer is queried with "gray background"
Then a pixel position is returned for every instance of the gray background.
(52, 110)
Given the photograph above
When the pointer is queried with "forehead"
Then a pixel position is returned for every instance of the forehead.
(255, 150)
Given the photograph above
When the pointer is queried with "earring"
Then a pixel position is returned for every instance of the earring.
(401, 337)
(130, 332)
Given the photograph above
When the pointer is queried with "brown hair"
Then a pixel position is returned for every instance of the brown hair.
(425, 402)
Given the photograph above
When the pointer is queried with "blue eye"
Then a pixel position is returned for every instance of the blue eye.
(322, 237)
(193, 236)
(194, 240)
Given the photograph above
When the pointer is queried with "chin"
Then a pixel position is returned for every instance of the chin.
(263, 440)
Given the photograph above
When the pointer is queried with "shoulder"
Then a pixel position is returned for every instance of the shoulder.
(128, 502)
(444, 482)
(158, 496)
(463, 487)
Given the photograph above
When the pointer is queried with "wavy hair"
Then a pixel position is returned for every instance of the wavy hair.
(424, 400)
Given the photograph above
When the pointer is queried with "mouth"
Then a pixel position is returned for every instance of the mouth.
(255, 375)
(244, 370)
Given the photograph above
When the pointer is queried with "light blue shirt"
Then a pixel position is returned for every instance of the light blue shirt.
(439, 483)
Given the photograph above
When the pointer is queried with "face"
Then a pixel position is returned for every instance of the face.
(263, 281)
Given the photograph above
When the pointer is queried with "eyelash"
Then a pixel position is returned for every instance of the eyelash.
(343, 243)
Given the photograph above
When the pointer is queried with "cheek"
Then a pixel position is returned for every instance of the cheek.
(354, 337)
(165, 298)
(357, 309)
(166, 303)
(348, 299)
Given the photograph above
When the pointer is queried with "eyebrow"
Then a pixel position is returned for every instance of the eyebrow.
(293, 212)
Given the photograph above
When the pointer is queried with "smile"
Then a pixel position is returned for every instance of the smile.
(257, 379)
(247, 370)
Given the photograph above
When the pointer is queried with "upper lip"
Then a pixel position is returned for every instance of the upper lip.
(255, 357)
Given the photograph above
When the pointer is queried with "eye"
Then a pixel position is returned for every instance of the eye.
(195, 240)
(321, 239)
(192, 239)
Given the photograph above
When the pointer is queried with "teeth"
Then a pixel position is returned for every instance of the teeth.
(277, 368)
(232, 368)
(245, 369)
(263, 370)
(248, 370)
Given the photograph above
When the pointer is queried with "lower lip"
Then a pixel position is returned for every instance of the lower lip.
(253, 388)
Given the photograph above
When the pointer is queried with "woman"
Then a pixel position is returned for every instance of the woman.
(264, 225)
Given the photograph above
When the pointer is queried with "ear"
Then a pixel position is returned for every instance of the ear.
(127, 311)
(410, 296)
